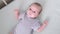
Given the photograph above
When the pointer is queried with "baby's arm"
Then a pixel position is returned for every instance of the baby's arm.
(16, 13)
(42, 26)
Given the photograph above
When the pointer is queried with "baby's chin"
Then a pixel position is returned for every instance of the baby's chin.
(32, 17)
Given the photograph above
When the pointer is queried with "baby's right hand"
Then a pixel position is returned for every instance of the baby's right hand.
(16, 13)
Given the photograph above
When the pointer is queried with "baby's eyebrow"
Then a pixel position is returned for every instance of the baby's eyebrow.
(31, 9)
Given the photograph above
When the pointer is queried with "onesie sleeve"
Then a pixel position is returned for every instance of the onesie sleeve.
(36, 25)
(21, 15)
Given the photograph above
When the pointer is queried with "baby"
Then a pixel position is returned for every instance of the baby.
(29, 21)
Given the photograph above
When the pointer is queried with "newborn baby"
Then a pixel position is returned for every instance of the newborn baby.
(29, 21)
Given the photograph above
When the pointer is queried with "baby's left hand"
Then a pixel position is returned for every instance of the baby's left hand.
(42, 26)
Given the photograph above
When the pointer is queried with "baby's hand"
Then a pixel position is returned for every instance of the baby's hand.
(42, 26)
(16, 13)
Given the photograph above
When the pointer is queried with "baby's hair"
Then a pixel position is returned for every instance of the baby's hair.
(38, 4)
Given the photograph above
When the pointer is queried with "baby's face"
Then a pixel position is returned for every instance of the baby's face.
(33, 11)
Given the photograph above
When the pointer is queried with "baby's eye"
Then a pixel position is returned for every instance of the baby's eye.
(30, 8)
(34, 12)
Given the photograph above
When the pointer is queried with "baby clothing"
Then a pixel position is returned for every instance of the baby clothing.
(26, 25)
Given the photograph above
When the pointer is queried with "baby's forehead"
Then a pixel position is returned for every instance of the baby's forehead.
(34, 5)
